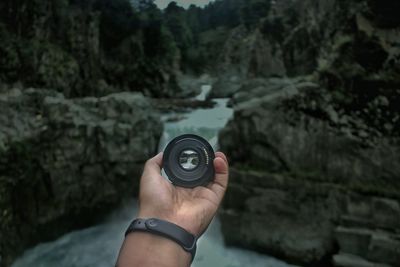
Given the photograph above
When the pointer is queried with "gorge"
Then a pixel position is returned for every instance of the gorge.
(313, 142)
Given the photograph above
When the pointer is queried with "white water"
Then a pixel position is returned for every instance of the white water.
(205, 89)
(98, 246)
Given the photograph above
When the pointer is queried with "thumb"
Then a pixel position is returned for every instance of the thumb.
(153, 166)
(220, 183)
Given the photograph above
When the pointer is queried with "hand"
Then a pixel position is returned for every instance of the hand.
(190, 208)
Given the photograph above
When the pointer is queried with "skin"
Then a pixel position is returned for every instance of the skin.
(191, 208)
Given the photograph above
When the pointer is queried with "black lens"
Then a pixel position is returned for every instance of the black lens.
(188, 161)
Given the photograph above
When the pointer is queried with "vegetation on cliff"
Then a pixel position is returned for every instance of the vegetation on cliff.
(86, 48)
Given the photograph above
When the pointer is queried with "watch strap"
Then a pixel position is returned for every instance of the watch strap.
(165, 229)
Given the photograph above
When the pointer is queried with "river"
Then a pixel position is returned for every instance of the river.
(98, 246)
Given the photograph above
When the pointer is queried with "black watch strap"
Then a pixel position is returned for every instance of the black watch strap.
(166, 229)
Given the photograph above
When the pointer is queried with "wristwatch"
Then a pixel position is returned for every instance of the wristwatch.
(165, 229)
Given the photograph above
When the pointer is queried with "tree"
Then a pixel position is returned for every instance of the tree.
(253, 11)
(147, 5)
(175, 20)
(118, 21)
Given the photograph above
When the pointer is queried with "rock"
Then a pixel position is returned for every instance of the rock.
(191, 86)
(77, 159)
(270, 90)
(271, 214)
(386, 213)
(300, 143)
(384, 248)
(354, 221)
(180, 105)
(348, 260)
(354, 240)
(225, 86)
(246, 55)
(370, 229)
(289, 167)
(331, 131)
(351, 47)
(374, 211)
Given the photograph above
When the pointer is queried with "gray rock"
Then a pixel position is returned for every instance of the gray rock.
(76, 159)
(377, 211)
(384, 248)
(299, 179)
(279, 216)
(270, 90)
(246, 55)
(191, 86)
(225, 86)
(354, 240)
(386, 213)
(348, 260)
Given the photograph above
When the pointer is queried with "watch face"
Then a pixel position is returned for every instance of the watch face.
(188, 161)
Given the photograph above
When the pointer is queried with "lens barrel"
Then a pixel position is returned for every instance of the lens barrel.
(188, 161)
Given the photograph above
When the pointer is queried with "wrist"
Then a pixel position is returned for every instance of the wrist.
(174, 217)
(169, 254)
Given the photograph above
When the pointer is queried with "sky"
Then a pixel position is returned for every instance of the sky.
(184, 3)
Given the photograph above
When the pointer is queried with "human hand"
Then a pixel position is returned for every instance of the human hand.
(190, 208)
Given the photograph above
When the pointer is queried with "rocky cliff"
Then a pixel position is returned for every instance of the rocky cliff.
(304, 191)
(315, 156)
(66, 163)
(85, 48)
(352, 45)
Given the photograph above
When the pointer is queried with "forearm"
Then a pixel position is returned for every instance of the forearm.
(149, 250)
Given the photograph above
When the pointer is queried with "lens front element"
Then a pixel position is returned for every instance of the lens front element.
(189, 159)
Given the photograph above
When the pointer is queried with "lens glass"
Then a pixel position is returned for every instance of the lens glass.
(189, 159)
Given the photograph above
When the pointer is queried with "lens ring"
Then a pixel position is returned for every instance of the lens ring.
(188, 161)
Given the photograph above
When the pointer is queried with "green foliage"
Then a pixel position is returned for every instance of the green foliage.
(147, 5)
(175, 20)
(188, 28)
(118, 21)
(203, 56)
(20, 173)
(72, 45)
(9, 58)
(54, 43)
(37, 63)
(222, 13)
(253, 11)
(384, 13)
(273, 28)
(231, 13)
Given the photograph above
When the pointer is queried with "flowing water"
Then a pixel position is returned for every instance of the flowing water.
(98, 246)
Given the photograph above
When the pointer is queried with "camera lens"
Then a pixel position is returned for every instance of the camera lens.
(188, 161)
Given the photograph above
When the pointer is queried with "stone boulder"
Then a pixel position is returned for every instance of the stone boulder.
(65, 163)
(297, 182)
(246, 55)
